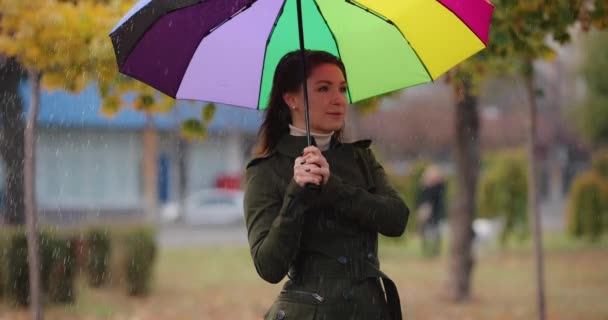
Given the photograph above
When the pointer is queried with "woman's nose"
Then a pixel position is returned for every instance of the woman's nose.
(339, 98)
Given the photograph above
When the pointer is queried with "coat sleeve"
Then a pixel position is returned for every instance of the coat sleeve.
(273, 222)
(380, 209)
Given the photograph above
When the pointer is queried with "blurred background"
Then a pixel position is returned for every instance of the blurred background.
(137, 198)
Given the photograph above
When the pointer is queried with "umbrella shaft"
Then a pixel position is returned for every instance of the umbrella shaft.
(304, 82)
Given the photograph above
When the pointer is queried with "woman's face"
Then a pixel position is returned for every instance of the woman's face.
(327, 100)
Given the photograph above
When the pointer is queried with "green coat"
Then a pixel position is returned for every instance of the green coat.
(325, 241)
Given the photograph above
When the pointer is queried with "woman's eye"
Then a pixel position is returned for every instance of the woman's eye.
(343, 89)
(323, 89)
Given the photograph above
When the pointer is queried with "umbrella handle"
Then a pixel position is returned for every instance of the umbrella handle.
(308, 186)
(312, 187)
(304, 84)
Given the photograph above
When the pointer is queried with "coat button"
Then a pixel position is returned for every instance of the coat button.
(281, 315)
(343, 259)
(370, 256)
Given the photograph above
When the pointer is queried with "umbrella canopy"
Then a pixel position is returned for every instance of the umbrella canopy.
(226, 51)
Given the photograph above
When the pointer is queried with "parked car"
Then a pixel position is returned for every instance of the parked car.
(207, 207)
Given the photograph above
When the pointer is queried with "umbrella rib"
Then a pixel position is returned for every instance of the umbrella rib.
(362, 7)
(274, 25)
(335, 41)
(230, 18)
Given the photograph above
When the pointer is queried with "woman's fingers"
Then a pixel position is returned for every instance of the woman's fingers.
(318, 171)
(323, 172)
(303, 179)
(320, 161)
(303, 172)
(311, 167)
(311, 150)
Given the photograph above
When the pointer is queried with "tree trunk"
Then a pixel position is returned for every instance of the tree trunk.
(183, 149)
(533, 209)
(150, 171)
(30, 197)
(467, 158)
(12, 129)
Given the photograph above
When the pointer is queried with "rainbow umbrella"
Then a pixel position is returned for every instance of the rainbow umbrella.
(226, 51)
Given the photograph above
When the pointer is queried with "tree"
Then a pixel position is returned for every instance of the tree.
(56, 42)
(522, 31)
(467, 158)
(593, 115)
(11, 140)
(518, 36)
(61, 45)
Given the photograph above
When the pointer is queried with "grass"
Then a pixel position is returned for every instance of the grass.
(221, 283)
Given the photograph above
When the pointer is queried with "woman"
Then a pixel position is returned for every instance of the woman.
(431, 209)
(325, 239)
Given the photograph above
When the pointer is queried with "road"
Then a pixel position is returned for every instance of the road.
(186, 236)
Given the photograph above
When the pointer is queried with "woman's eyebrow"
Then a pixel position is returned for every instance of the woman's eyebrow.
(328, 82)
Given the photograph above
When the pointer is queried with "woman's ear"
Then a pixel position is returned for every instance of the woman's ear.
(290, 100)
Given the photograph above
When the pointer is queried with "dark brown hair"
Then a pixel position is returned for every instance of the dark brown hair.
(288, 78)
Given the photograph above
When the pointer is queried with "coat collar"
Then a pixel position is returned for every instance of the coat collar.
(292, 146)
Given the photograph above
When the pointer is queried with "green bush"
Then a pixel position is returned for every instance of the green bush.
(2, 282)
(124, 255)
(61, 270)
(99, 252)
(47, 243)
(18, 281)
(57, 263)
(116, 276)
(121, 253)
(140, 256)
(587, 215)
(3, 257)
(503, 192)
(600, 163)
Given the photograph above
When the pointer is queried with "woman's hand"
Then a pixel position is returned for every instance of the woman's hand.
(311, 167)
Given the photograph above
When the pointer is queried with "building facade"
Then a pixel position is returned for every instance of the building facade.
(91, 165)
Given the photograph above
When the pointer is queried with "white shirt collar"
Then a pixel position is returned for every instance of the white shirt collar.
(321, 139)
